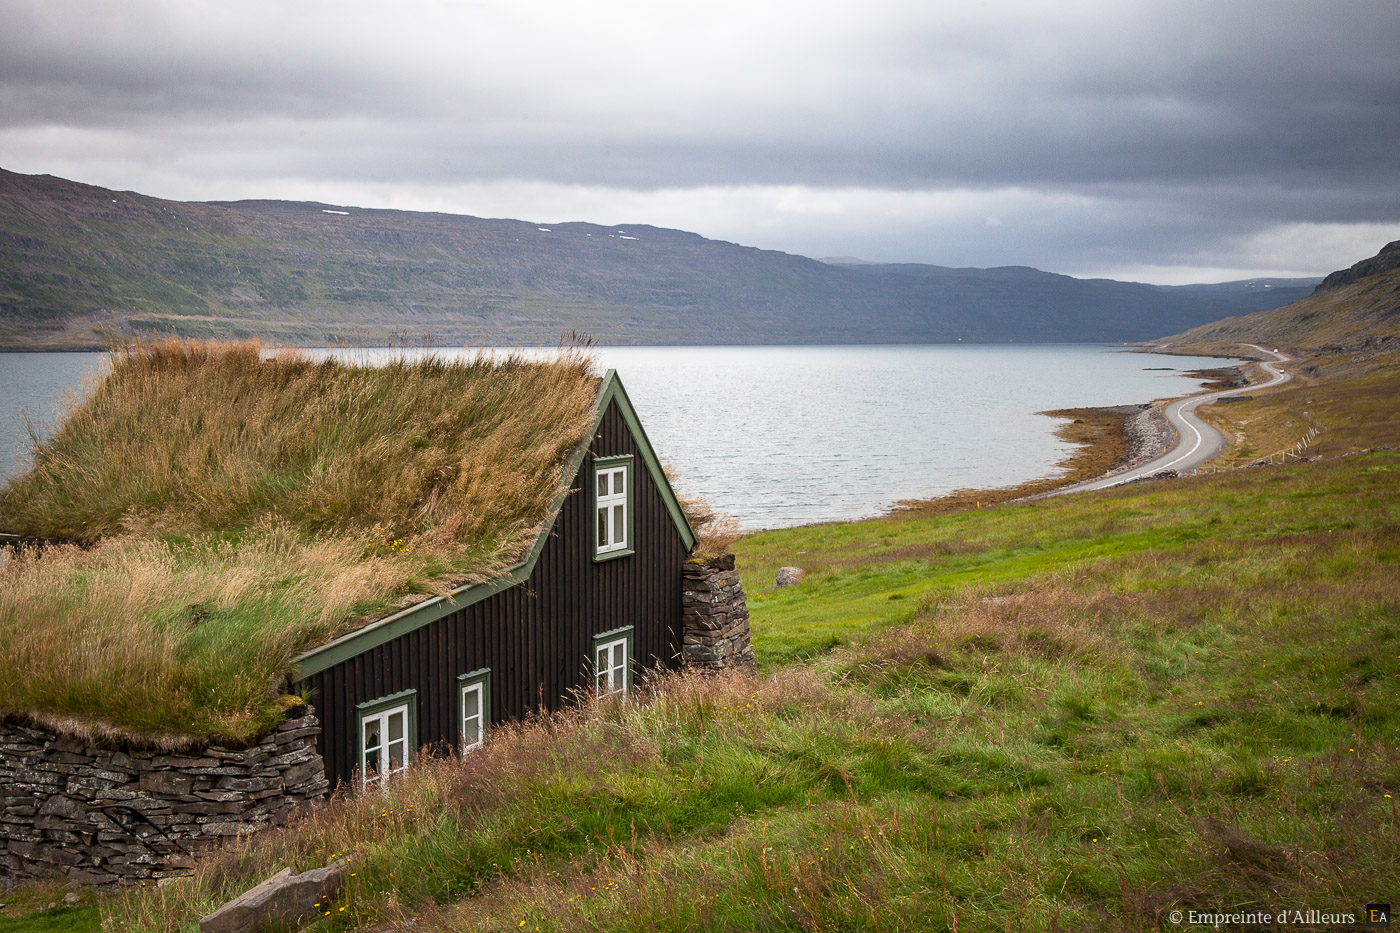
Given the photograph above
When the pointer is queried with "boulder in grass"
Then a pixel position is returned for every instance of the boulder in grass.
(788, 576)
(283, 900)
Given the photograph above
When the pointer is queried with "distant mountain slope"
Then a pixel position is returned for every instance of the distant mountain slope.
(78, 260)
(1358, 314)
(1384, 261)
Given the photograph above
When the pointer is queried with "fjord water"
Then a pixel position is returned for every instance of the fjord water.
(779, 436)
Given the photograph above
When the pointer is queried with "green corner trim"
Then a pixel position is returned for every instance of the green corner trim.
(430, 610)
(613, 391)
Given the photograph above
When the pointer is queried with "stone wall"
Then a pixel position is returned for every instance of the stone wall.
(98, 815)
(715, 615)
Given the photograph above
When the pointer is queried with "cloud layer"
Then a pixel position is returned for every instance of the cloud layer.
(1164, 141)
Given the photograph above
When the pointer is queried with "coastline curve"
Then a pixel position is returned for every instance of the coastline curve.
(1197, 441)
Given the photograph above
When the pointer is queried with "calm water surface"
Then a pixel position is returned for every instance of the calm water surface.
(782, 436)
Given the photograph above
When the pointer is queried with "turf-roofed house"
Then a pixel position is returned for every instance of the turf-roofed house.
(265, 575)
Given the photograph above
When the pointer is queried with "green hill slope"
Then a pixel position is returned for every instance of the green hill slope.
(77, 260)
(1083, 713)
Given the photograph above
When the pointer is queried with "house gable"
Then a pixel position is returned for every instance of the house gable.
(537, 636)
(430, 610)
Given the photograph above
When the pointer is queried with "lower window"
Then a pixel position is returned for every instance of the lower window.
(388, 734)
(612, 667)
(473, 709)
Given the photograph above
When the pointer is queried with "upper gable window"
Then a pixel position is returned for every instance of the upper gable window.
(613, 502)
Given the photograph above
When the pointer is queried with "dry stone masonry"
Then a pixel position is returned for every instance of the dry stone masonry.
(715, 615)
(97, 815)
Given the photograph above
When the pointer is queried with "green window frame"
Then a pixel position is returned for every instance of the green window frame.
(613, 512)
(387, 735)
(473, 708)
(612, 661)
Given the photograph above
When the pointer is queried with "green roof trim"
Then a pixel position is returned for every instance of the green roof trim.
(430, 610)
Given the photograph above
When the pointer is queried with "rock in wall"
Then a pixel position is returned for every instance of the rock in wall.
(98, 815)
(715, 614)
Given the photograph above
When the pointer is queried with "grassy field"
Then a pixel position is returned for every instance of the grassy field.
(1080, 713)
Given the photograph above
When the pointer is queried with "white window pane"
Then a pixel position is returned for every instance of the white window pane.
(398, 754)
(602, 484)
(372, 733)
(396, 725)
(471, 731)
(603, 660)
(603, 527)
(619, 523)
(471, 702)
(371, 764)
(619, 482)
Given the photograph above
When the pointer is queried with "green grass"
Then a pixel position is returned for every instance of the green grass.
(1074, 714)
(57, 920)
(38, 907)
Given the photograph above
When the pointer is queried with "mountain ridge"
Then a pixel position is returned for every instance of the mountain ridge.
(1354, 313)
(79, 262)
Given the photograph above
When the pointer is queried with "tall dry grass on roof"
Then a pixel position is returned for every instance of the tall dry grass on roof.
(185, 436)
(246, 507)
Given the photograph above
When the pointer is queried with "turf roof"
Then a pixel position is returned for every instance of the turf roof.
(240, 507)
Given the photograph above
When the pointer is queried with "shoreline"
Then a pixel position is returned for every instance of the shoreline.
(1111, 438)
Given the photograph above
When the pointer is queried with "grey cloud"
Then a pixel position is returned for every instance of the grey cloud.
(1181, 123)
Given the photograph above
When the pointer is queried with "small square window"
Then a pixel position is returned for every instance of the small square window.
(612, 662)
(473, 709)
(388, 736)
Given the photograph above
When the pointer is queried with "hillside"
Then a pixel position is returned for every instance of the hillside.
(1355, 313)
(77, 261)
(1097, 712)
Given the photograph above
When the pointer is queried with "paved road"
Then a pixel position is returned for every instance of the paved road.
(1197, 441)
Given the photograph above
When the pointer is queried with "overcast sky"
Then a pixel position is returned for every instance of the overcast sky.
(1175, 141)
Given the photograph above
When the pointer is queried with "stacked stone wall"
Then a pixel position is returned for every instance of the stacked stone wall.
(101, 815)
(715, 614)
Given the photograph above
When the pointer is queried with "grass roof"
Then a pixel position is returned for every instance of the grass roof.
(236, 508)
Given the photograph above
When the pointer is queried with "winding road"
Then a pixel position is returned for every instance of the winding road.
(1197, 441)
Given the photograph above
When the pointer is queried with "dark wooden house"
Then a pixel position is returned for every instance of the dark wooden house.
(596, 600)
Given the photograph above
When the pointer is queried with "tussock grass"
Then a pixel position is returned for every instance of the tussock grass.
(185, 436)
(240, 508)
(715, 531)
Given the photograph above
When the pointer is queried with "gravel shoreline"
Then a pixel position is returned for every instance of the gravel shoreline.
(1149, 436)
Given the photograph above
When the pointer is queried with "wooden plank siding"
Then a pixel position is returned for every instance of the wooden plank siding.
(536, 637)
